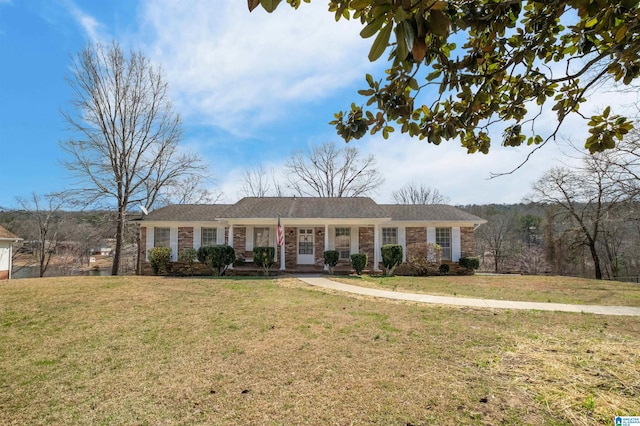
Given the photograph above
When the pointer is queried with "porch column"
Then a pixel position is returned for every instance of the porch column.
(376, 246)
(326, 243)
(282, 259)
(230, 240)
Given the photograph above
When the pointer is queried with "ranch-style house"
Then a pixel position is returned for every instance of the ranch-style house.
(310, 225)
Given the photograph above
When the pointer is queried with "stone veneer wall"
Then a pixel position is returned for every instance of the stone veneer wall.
(366, 243)
(415, 235)
(467, 242)
(185, 238)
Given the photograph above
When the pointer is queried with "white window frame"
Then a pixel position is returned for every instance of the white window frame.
(443, 239)
(209, 241)
(156, 242)
(389, 239)
(343, 242)
(257, 241)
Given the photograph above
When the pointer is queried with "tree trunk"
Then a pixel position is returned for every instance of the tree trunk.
(119, 238)
(596, 261)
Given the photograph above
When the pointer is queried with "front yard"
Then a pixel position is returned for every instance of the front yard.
(153, 350)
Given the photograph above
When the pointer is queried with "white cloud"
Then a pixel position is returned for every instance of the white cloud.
(90, 25)
(237, 70)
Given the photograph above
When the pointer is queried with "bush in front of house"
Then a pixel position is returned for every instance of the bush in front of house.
(359, 262)
(159, 258)
(469, 263)
(264, 257)
(391, 257)
(218, 257)
(331, 258)
(188, 257)
(444, 269)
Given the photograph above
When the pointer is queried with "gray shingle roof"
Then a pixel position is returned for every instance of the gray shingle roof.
(310, 207)
(6, 235)
(430, 212)
(189, 212)
(307, 207)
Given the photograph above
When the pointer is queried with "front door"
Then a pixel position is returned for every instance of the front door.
(305, 246)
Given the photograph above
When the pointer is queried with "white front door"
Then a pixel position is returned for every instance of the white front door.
(305, 246)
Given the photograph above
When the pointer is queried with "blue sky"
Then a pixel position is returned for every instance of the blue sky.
(251, 89)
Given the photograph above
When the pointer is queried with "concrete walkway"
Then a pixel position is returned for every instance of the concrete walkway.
(463, 301)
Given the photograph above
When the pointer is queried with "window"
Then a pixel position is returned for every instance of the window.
(261, 237)
(209, 237)
(343, 242)
(389, 236)
(305, 241)
(161, 237)
(443, 239)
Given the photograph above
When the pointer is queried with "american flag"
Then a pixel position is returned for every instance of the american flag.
(280, 234)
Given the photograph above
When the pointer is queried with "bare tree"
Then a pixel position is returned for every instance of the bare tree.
(258, 182)
(587, 196)
(45, 230)
(189, 190)
(329, 171)
(412, 193)
(127, 150)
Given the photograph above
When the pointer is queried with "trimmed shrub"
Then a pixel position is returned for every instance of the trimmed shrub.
(264, 257)
(188, 256)
(469, 263)
(359, 262)
(444, 269)
(391, 257)
(331, 258)
(159, 258)
(218, 258)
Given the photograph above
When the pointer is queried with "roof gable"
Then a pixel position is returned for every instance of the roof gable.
(6, 235)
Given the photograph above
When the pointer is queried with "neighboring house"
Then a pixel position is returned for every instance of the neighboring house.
(6, 252)
(311, 226)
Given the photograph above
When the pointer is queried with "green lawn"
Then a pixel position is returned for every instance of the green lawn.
(529, 288)
(148, 350)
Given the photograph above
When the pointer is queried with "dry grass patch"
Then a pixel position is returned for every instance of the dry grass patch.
(529, 288)
(147, 350)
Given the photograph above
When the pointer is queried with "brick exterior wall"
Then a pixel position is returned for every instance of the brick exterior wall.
(240, 242)
(318, 235)
(366, 243)
(185, 238)
(467, 242)
(290, 247)
(4, 275)
(415, 235)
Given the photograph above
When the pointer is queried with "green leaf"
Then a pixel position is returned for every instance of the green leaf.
(270, 5)
(380, 43)
(622, 31)
(439, 23)
(606, 112)
(401, 46)
(372, 27)
(593, 21)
